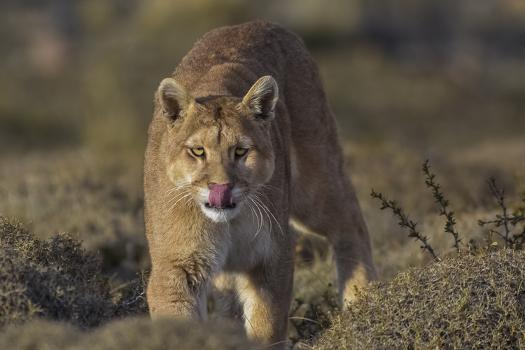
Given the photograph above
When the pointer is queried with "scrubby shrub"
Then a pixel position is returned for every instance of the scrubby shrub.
(57, 279)
(130, 299)
(473, 299)
(411, 226)
(508, 226)
(462, 302)
(132, 333)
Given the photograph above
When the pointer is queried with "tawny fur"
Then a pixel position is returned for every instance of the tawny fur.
(293, 170)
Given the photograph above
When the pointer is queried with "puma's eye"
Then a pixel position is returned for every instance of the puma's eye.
(239, 152)
(197, 151)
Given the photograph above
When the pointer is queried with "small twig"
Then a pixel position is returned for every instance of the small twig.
(439, 198)
(513, 219)
(138, 297)
(492, 231)
(506, 220)
(499, 195)
(304, 319)
(406, 222)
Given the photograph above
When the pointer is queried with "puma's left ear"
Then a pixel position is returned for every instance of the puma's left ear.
(173, 98)
(262, 97)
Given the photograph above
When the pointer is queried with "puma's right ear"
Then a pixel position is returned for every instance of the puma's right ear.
(262, 97)
(173, 98)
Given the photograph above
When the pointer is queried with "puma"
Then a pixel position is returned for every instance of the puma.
(243, 142)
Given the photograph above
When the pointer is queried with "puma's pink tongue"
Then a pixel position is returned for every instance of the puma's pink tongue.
(220, 195)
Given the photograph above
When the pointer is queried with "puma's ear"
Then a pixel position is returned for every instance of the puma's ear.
(173, 98)
(262, 97)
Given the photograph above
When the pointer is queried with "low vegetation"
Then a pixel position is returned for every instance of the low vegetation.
(463, 302)
(131, 333)
(56, 279)
(472, 299)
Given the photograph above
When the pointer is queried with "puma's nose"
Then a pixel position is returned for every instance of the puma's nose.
(212, 186)
(220, 196)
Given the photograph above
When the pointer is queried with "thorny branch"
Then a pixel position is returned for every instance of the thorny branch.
(406, 222)
(505, 220)
(439, 198)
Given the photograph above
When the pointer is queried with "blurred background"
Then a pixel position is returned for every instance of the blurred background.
(407, 80)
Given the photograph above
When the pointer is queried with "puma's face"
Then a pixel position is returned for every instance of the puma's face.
(218, 149)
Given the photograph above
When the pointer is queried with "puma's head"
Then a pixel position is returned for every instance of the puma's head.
(217, 149)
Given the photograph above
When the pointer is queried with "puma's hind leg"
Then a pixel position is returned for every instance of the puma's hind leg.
(325, 203)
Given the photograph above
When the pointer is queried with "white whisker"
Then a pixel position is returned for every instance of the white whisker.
(177, 194)
(254, 214)
(261, 206)
(271, 187)
(269, 213)
(176, 197)
(261, 223)
(179, 200)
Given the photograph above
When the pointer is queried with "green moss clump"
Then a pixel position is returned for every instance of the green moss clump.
(131, 333)
(55, 279)
(463, 302)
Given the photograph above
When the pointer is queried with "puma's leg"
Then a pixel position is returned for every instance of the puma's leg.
(225, 296)
(332, 210)
(171, 292)
(266, 294)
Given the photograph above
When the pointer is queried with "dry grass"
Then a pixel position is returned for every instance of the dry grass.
(132, 333)
(56, 279)
(465, 302)
(94, 200)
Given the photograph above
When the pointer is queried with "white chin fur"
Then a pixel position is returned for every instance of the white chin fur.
(220, 215)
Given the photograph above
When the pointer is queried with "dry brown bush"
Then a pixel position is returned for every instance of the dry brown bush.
(56, 279)
(462, 302)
